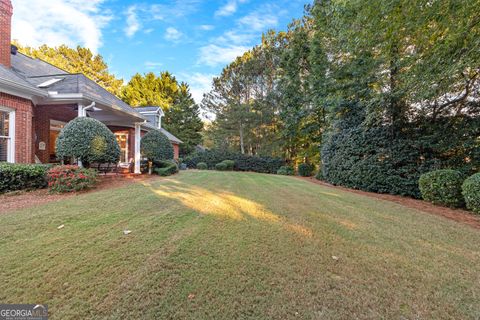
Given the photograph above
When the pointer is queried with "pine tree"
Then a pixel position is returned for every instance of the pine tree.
(183, 120)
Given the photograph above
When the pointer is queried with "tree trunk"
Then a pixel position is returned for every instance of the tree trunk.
(242, 147)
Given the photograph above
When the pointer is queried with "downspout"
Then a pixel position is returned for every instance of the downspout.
(82, 112)
(84, 109)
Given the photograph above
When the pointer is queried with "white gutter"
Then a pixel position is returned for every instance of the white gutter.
(23, 88)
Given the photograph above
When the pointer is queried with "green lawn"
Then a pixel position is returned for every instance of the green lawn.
(218, 245)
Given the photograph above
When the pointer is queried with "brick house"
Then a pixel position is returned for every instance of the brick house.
(37, 99)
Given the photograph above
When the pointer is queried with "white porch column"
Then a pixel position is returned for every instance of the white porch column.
(137, 147)
(80, 110)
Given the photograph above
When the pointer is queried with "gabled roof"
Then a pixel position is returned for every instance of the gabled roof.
(28, 73)
(79, 83)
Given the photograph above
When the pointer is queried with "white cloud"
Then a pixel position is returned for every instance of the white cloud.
(153, 65)
(133, 25)
(199, 83)
(214, 55)
(174, 10)
(229, 8)
(206, 27)
(172, 34)
(257, 21)
(56, 22)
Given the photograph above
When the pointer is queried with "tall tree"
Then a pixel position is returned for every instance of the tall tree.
(150, 90)
(183, 120)
(78, 60)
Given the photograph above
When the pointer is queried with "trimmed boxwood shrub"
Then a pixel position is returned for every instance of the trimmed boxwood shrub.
(222, 166)
(165, 168)
(89, 140)
(14, 177)
(202, 166)
(243, 162)
(471, 192)
(63, 179)
(230, 164)
(305, 169)
(286, 171)
(443, 187)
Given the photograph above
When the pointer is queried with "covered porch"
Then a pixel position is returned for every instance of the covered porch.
(50, 118)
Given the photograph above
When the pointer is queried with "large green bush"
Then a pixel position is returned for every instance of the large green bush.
(242, 162)
(471, 192)
(443, 187)
(305, 169)
(89, 140)
(156, 146)
(14, 177)
(202, 166)
(375, 160)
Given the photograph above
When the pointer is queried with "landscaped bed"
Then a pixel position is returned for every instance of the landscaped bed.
(225, 245)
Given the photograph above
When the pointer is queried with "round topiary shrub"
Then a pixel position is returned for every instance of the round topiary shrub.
(471, 192)
(230, 164)
(305, 169)
(88, 140)
(155, 146)
(221, 166)
(443, 187)
(202, 166)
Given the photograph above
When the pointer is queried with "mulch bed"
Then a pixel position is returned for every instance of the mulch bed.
(458, 215)
(25, 199)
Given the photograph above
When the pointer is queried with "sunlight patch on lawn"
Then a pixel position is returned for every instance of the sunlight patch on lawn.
(225, 205)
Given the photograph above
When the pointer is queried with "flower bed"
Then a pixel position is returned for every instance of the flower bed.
(70, 178)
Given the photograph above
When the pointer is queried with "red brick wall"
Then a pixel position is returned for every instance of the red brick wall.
(175, 151)
(5, 32)
(23, 126)
(43, 115)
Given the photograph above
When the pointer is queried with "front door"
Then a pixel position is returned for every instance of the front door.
(122, 139)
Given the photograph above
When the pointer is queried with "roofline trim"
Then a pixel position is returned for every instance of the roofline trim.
(81, 96)
(27, 89)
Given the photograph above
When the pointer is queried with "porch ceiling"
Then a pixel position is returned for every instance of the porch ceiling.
(112, 117)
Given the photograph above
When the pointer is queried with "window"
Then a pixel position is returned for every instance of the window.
(122, 139)
(7, 127)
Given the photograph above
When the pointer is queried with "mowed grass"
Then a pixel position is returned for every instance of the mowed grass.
(219, 245)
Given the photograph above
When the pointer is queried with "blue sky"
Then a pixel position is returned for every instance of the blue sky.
(193, 39)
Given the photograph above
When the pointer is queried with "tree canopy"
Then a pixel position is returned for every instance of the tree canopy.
(377, 92)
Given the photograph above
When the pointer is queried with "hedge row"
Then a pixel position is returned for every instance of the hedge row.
(15, 177)
(374, 160)
(242, 162)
